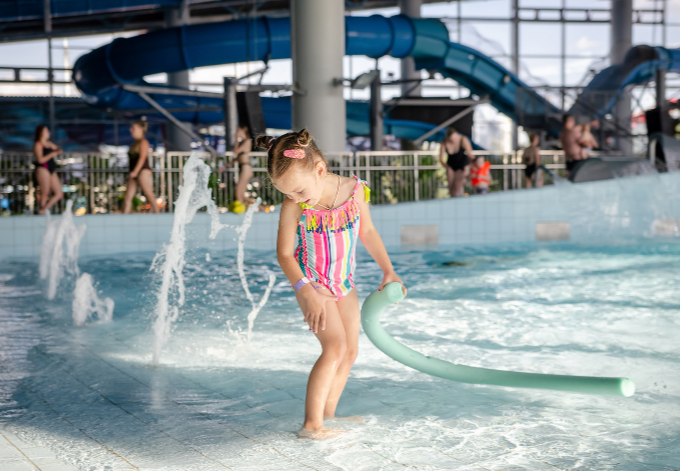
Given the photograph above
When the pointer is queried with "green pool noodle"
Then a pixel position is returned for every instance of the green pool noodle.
(392, 293)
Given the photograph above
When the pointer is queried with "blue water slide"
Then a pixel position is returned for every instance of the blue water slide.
(100, 73)
(638, 67)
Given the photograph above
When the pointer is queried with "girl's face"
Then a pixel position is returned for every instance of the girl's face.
(136, 132)
(45, 134)
(302, 185)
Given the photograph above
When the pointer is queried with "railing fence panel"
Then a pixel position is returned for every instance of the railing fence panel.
(98, 181)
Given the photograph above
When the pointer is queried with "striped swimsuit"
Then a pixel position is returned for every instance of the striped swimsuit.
(327, 243)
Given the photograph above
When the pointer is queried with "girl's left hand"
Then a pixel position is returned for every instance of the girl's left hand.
(391, 277)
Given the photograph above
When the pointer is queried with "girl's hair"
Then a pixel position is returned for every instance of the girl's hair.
(141, 124)
(449, 132)
(278, 163)
(532, 136)
(39, 132)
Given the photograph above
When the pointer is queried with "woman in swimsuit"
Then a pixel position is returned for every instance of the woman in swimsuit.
(140, 172)
(459, 154)
(532, 159)
(45, 166)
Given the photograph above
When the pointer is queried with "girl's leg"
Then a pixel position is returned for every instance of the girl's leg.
(145, 180)
(351, 320)
(245, 174)
(334, 346)
(528, 183)
(55, 185)
(44, 182)
(129, 194)
(459, 181)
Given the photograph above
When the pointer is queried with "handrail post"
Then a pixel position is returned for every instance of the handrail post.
(416, 174)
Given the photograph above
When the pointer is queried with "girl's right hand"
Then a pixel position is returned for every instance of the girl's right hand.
(313, 304)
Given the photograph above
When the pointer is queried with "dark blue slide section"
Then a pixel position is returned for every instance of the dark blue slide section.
(127, 60)
(638, 67)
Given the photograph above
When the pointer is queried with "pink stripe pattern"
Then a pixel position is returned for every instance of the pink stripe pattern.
(327, 241)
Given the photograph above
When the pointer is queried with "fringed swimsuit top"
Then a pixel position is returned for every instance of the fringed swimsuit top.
(327, 243)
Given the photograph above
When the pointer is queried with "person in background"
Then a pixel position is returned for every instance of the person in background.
(458, 156)
(140, 171)
(480, 175)
(570, 137)
(532, 159)
(45, 151)
(587, 141)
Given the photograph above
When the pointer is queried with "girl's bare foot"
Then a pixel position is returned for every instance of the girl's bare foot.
(41, 211)
(354, 418)
(320, 434)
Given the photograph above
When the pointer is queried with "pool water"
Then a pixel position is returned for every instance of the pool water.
(89, 399)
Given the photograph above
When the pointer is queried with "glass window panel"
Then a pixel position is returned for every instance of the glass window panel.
(539, 38)
(490, 38)
(540, 71)
(587, 39)
(652, 35)
(24, 54)
(578, 71)
(540, 3)
(673, 11)
(439, 10)
(488, 8)
(673, 36)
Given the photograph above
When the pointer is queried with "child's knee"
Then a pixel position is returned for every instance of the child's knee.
(351, 354)
(336, 350)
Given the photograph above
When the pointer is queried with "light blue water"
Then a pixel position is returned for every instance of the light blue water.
(216, 402)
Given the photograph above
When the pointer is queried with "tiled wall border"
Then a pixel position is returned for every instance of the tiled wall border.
(615, 208)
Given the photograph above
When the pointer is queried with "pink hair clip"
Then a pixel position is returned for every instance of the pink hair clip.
(294, 153)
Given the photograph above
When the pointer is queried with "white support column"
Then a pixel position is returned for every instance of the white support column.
(408, 68)
(621, 42)
(514, 53)
(178, 139)
(318, 48)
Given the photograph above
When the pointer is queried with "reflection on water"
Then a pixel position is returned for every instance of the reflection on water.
(90, 396)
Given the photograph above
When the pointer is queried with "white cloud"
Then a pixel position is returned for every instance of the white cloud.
(584, 43)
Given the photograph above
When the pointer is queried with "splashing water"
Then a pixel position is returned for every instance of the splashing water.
(242, 231)
(55, 262)
(194, 194)
(86, 302)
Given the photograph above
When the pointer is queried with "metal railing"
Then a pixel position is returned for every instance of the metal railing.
(98, 181)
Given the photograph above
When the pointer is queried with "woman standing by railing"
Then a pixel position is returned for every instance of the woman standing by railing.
(140, 171)
(45, 151)
(459, 154)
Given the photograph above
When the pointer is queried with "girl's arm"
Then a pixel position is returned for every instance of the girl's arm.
(143, 156)
(312, 301)
(538, 156)
(374, 244)
(441, 154)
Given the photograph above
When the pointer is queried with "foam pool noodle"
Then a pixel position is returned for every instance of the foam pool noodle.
(392, 293)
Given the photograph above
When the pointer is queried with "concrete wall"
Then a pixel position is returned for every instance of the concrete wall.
(597, 212)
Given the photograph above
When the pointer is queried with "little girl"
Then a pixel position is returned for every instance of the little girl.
(323, 214)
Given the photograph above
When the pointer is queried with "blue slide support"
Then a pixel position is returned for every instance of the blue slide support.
(99, 73)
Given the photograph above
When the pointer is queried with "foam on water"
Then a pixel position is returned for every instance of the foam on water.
(86, 302)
